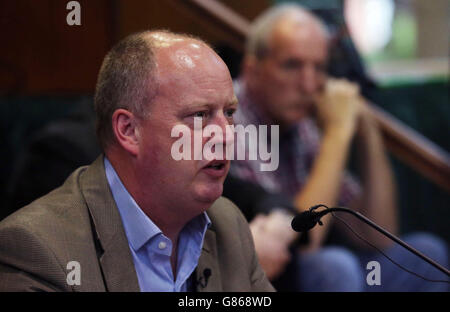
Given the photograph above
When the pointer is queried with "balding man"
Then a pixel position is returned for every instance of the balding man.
(137, 219)
(284, 82)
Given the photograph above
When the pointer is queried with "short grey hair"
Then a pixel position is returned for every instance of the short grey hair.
(261, 29)
(126, 80)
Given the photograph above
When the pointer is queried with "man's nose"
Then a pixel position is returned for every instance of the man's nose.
(221, 121)
(309, 82)
(227, 128)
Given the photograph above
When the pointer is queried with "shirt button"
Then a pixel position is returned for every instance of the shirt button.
(162, 245)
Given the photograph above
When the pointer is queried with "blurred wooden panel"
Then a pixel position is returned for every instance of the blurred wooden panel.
(41, 54)
(248, 9)
(178, 16)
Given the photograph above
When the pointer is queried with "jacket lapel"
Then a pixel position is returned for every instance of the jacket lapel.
(209, 261)
(116, 261)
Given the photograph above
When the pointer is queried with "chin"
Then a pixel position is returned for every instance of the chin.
(209, 193)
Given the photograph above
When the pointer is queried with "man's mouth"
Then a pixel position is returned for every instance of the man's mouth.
(216, 168)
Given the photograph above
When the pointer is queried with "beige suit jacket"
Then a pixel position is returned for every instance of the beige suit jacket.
(79, 221)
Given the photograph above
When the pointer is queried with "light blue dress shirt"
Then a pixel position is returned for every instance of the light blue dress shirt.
(150, 248)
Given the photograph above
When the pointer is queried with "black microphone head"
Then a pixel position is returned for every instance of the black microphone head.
(304, 221)
(207, 272)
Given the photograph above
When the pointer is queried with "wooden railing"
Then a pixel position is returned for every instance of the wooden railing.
(405, 143)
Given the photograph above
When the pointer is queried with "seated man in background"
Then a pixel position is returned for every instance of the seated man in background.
(284, 82)
(137, 219)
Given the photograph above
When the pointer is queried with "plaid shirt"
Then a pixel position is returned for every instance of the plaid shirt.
(298, 149)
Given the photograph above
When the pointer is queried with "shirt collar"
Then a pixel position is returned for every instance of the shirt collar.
(139, 228)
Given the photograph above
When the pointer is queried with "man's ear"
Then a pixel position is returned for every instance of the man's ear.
(126, 131)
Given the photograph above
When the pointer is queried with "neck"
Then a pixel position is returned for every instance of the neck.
(163, 214)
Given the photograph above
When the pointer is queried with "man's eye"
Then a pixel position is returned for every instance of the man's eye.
(200, 114)
(290, 65)
(230, 112)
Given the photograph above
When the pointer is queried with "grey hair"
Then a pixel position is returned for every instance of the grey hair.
(261, 29)
(126, 80)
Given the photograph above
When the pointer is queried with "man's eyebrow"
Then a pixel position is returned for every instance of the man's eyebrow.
(194, 105)
(234, 101)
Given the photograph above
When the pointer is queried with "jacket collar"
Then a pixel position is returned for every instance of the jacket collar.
(116, 261)
(208, 261)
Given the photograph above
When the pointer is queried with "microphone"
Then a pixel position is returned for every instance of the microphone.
(308, 219)
(206, 274)
(305, 221)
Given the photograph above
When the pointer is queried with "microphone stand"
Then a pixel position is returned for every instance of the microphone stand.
(320, 214)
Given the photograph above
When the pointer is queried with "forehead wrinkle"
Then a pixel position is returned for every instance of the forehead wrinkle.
(197, 103)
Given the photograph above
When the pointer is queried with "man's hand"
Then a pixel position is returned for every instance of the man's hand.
(338, 111)
(339, 106)
(272, 235)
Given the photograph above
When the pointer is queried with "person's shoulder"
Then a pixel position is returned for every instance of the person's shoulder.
(228, 222)
(234, 243)
(224, 210)
(57, 209)
(40, 239)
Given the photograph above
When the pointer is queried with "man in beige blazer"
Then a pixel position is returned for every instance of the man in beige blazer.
(76, 238)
